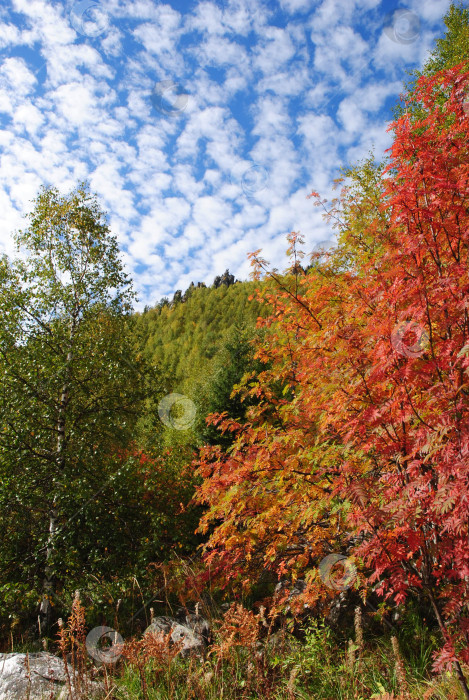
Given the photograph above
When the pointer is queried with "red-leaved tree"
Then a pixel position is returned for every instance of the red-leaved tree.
(359, 443)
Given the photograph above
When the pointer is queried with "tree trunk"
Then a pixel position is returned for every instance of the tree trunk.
(45, 610)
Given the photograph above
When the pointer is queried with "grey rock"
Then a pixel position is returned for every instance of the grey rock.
(37, 676)
(160, 624)
(337, 607)
(193, 643)
(295, 590)
(196, 622)
(199, 625)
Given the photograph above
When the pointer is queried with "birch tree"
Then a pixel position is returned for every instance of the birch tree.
(70, 386)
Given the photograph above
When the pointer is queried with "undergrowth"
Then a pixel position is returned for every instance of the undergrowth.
(252, 656)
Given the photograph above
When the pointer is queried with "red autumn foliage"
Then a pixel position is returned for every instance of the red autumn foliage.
(359, 443)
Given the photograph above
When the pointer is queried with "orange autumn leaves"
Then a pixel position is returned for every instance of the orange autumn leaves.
(359, 442)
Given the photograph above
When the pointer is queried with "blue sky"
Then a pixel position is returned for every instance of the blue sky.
(202, 126)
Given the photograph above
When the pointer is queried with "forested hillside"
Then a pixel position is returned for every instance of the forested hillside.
(184, 336)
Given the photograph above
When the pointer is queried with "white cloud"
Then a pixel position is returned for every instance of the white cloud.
(211, 214)
(29, 117)
(16, 77)
(297, 5)
(49, 23)
(9, 35)
(430, 10)
(341, 54)
(77, 104)
(238, 18)
(275, 49)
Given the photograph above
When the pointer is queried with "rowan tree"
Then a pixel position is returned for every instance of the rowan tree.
(368, 452)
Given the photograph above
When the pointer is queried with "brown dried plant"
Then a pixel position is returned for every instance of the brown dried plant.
(359, 636)
(399, 666)
(63, 646)
(240, 628)
(72, 645)
(76, 631)
(350, 658)
(155, 648)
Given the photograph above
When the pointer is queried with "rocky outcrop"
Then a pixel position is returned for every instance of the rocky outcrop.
(196, 622)
(336, 608)
(295, 590)
(36, 677)
(193, 634)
